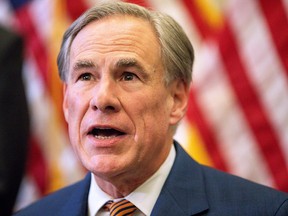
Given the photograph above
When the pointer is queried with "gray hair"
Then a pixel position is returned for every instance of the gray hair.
(177, 51)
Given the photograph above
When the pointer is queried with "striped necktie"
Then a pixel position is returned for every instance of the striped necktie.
(121, 208)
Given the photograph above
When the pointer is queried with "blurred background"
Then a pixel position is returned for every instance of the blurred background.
(237, 120)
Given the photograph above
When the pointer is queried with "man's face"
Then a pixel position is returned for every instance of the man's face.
(118, 109)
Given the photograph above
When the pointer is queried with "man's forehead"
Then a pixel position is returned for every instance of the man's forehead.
(126, 30)
(118, 63)
(136, 47)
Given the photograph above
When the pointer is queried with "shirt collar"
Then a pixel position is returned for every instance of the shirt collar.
(144, 197)
(96, 198)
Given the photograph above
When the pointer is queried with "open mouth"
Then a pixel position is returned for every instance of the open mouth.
(105, 133)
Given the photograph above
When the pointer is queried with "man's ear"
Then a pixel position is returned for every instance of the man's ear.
(180, 94)
(65, 102)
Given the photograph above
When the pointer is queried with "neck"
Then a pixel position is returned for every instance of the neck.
(118, 187)
(122, 184)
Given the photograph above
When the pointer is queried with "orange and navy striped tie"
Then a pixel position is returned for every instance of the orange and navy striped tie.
(121, 208)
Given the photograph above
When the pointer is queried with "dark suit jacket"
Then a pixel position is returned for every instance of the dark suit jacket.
(190, 189)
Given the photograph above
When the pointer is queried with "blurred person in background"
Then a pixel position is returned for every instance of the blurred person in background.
(14, 119)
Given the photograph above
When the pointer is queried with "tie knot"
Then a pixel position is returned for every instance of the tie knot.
(120, 208)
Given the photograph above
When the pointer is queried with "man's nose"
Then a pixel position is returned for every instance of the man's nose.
(105, 97)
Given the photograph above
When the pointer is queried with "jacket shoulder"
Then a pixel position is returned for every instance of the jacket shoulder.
(232, 192)
(198, 188)
(73, 195)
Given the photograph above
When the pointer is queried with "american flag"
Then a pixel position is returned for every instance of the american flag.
(237, 119)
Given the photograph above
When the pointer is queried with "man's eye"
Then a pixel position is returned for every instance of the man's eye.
(85, 77)
(128, 76)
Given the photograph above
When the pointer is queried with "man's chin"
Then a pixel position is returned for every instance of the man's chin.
(105, 166)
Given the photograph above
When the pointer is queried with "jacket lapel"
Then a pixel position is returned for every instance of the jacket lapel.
(77, 202)
(184, 190)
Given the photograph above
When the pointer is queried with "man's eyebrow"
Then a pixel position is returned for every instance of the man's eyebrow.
(129, 62)
(83, 64)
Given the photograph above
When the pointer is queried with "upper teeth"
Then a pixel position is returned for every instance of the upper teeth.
(105, 133)
(104, 137)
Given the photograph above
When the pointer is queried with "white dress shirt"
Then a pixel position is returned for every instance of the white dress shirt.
(144, 197)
